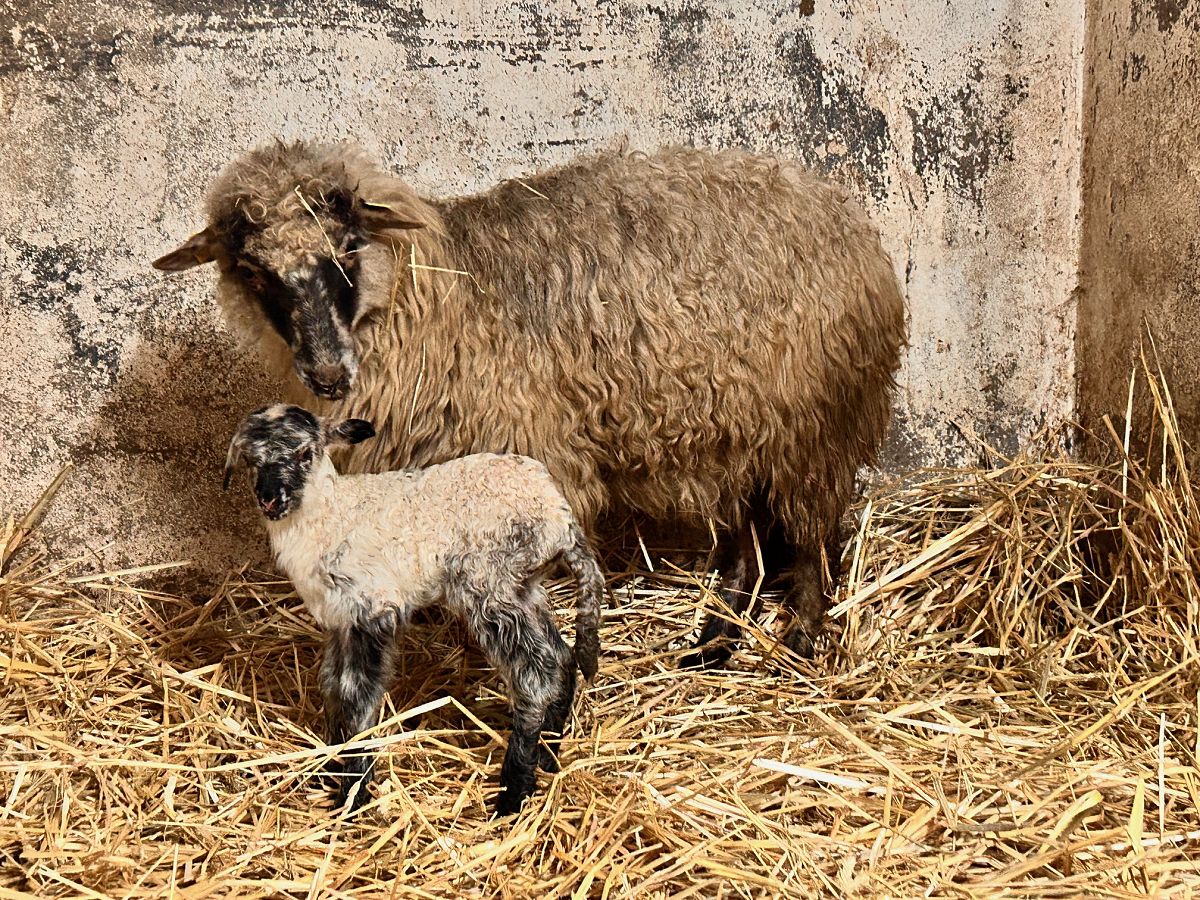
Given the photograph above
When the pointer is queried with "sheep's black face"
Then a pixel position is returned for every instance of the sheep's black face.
(281, 445)
(288, 222)
(314, 306)
(298, 261)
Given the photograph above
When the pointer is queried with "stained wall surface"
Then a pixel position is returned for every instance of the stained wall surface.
(957, 124)
(1141, 235)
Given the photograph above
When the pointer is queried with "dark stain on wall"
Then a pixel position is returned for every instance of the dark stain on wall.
(821, 113)
(49, 275)
(680, 38)
(28, 46)
(960, 137)
(200, 24)
(1165, 14)
(403, 18)
(50, 281)
(1133, 68)
(831, 108)
(95, 358)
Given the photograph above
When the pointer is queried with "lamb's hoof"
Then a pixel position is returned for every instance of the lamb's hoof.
(329, 777)
(713, 655)
(352, 794)
(547, 761)
(509, 802)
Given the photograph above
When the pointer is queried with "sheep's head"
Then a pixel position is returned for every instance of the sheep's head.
(281, 445)
(287, 225)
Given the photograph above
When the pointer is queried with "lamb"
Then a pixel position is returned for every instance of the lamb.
(365, 552)
(705, 336)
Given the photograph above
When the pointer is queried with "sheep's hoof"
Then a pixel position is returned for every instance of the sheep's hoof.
(708, 656)
(800, 641)
(547, 761)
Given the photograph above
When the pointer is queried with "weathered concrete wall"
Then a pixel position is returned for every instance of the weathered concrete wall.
(1141, 237)
(957, 124)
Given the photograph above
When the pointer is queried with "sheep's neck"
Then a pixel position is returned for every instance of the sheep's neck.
(406, 354)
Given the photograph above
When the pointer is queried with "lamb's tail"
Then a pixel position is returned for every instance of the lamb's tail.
(580, 559)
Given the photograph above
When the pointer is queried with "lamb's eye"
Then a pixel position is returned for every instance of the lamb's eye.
(304, 454)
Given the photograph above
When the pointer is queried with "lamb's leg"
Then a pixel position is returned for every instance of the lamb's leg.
(556, 722)
(737, 562)
(354, 677)
(519, 638)
(808, 597)
(559, 709)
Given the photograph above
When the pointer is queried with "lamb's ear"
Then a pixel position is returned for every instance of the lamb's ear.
(232, 458)
(200, 248)
(379, 215)
(349, 431)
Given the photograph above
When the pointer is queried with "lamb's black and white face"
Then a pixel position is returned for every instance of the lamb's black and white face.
(280, 445)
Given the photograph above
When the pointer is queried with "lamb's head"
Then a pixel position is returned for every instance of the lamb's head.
(287, 226)
(282, 445)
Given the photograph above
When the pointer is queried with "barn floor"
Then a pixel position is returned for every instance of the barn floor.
(1008, 706)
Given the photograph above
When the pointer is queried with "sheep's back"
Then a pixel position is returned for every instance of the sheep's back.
(699, 324)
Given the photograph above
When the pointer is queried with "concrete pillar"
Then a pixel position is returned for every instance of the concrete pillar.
(1140, 258)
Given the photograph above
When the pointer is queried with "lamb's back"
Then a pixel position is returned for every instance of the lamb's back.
(457, 505)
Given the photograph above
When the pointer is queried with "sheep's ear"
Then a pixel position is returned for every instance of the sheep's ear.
(232, 458)
(380, 216)
(200, 248)
(349, 431)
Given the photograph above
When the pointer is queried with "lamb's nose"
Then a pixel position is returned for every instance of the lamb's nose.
(267, 505)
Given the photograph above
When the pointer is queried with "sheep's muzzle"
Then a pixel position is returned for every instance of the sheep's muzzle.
(332, 382)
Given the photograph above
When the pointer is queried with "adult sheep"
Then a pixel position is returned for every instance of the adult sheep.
(712, 335)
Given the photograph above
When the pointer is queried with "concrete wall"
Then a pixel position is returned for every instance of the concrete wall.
(957, 124)
(1141, 235)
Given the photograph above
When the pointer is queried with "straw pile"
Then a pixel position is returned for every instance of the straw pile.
(1007, 706)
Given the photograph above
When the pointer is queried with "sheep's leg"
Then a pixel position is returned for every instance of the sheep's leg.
(808, 598)
(737, 562)
(355, 672)
(522, 641)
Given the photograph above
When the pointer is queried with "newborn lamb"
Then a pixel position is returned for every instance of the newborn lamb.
(365, 552)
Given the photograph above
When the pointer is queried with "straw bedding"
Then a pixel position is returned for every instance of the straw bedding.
(1007, 706)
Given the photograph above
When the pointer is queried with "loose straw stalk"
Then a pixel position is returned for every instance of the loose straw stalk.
(1006, 706)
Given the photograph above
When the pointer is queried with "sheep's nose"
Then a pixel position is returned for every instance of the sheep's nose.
(329, 381)
(268, 504)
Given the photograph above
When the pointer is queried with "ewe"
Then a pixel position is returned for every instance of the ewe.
(705, 335)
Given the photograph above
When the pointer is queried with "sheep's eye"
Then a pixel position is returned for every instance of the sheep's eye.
(348, 258)
(252, 276)
(304, 454)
